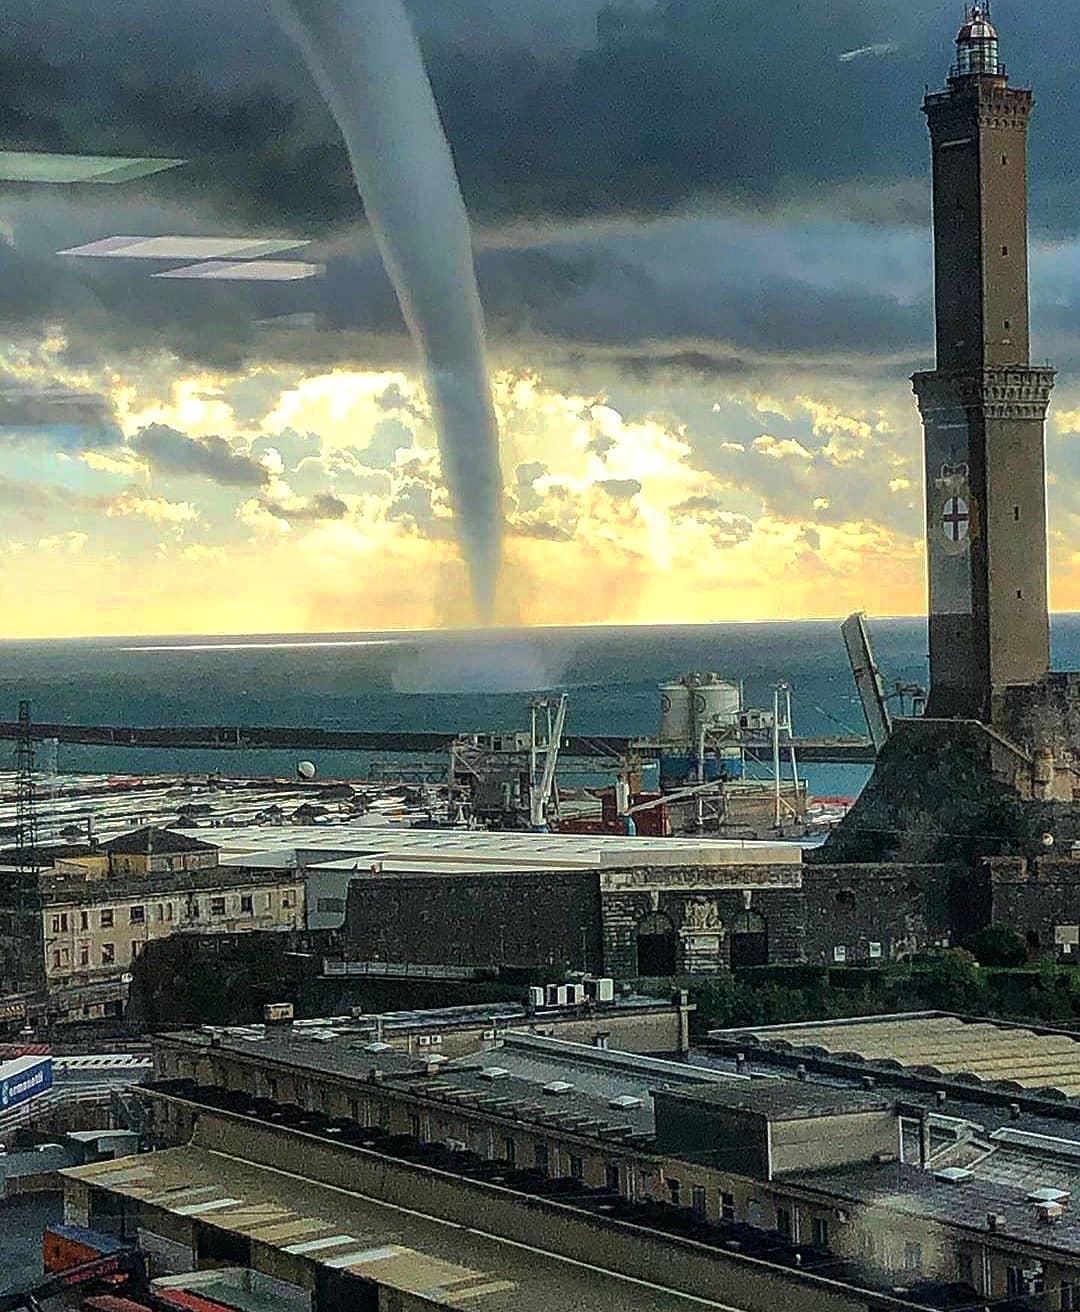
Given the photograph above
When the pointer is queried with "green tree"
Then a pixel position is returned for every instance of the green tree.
(998, 945)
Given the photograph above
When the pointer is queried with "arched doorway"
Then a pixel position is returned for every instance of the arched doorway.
(749, 940)
(656, 945)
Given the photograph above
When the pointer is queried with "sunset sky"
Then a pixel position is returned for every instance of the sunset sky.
(702, 243)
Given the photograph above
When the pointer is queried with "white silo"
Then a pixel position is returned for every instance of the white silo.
(675, 714)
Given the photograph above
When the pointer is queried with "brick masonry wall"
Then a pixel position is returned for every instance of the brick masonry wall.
(1045, 714)
(623, 911)
(535, 919)
(1041, 900)
(900, 908)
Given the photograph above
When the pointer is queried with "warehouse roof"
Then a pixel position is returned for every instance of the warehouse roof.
(966, 1201)
(785, 1100)
(151, 841)
(941, 1044)
(398, 1248)
(344, 842)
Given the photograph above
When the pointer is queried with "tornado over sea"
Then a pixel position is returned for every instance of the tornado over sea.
(366, 62)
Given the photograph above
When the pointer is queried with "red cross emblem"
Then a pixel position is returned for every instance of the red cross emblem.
(956, 519)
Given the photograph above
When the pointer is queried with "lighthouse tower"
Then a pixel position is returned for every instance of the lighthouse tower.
(984, 406)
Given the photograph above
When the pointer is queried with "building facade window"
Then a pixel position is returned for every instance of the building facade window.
(697, 1203)
(137, 915)
(108, 954)
(107, 918)
(1070, 1296)
(84, 954)
(727, 1207)
(785, 1224)
(84, 919)
(820, 1233)
(965, 1269)
(510, 1150)
(541, 1157)
(247, 904)
(913, 1257)
(1025, 1281)
(611, 1177)
(217, 906)
(577, 1167)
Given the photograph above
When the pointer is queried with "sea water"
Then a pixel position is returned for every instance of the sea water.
(444, 681)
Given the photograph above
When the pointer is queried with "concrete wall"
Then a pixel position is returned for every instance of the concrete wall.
(823, 1141)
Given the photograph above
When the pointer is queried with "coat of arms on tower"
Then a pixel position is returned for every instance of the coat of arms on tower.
(953, 509)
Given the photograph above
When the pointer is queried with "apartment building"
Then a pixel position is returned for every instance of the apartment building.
(891, 1193)
(96, 912)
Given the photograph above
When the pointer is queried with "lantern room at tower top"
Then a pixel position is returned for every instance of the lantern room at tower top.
(977, 46)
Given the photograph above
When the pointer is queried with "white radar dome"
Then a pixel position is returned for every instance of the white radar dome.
(306, 770)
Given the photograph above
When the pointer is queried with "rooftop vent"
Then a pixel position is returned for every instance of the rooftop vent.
(558, 1087)
(493, 1073)
(952, 1174)
(1045, 1194)
(378, 1046)
(624, 1102)
(1048, 1213)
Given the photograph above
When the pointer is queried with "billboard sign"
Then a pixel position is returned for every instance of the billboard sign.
(24, 1079)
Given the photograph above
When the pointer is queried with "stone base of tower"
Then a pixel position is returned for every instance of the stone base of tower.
(956, 791)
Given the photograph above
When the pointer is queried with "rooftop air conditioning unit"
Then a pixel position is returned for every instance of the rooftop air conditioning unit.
(558, 1088)
(624, 1102)
(424, 1040)
(493, 1073)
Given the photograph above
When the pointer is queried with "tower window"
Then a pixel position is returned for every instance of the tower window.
(1004, 250)
(1004, 159)
(1019, 594)
(1016, 513)
(1008, 324)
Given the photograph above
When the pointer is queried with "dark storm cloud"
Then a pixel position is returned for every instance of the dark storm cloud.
(171, 452)
(322, 506)
(57, 417)
(742, 103)
(554, 107)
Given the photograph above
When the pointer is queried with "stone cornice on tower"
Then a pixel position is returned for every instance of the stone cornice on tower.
(1011, 392)
(988, 101)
